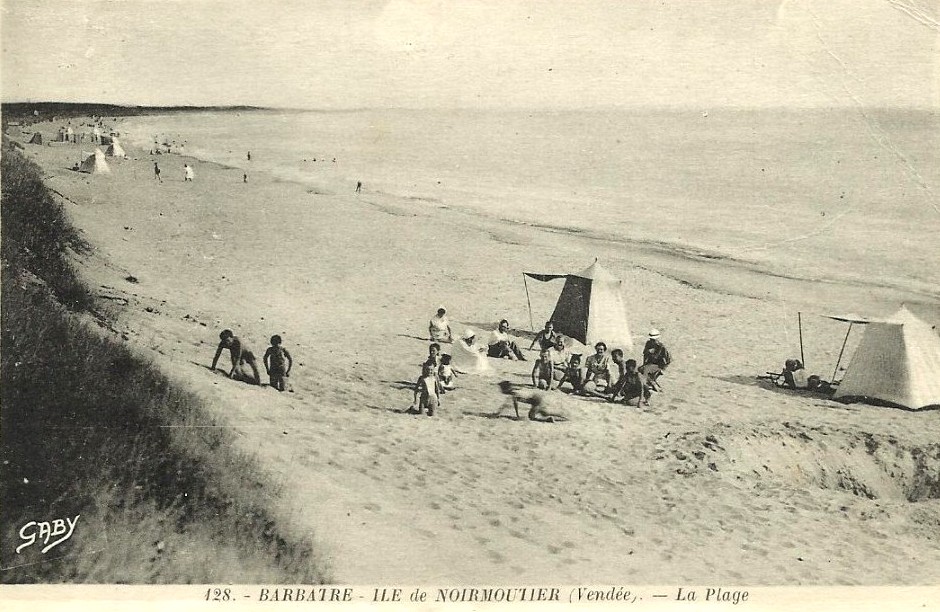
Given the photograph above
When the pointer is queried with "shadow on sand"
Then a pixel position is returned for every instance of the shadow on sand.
(399, 384)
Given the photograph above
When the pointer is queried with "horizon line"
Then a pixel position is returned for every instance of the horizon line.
(596, 108)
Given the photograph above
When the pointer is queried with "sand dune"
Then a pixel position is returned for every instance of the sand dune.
(721, 479)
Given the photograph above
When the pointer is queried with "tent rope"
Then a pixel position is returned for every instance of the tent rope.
(799, 322)
(839, 360)
(528, 301)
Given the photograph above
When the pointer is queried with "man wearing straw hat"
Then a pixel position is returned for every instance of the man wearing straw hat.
(656, 357)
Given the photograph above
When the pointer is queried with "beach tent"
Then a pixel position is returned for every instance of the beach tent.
(590, 308)
(36, 139)
(115, 149)
(95, 164)
(897, 361)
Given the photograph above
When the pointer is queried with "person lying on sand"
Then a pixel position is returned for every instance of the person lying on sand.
(540, 404)
(241, 356)
(501, 344)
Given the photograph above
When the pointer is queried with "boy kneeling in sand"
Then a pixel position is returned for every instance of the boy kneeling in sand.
(539, 402)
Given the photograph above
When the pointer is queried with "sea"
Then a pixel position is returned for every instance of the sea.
(848, 194)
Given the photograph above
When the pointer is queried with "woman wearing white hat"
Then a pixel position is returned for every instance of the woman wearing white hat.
(468, 356)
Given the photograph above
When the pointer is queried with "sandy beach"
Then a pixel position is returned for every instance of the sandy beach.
(722, 479)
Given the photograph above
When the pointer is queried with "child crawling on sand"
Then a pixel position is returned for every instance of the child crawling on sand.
(540, 405)
(241, 355)
(426, 392)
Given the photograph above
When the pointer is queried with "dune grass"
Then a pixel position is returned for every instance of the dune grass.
(88, 427)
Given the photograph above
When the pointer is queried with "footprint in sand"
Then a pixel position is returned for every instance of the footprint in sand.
(495, 557)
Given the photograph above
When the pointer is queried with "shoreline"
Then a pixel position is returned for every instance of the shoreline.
(676, 258)
(612, 495)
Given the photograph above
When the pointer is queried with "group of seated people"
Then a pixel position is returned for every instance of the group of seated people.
(556, 366)
(500, 344)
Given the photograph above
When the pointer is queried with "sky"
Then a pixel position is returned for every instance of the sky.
(545, 54)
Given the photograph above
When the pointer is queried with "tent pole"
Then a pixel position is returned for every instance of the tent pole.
(839, 360)
(799, 322)
(528, 301)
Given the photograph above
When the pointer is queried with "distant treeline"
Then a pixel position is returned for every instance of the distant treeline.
(31, 112)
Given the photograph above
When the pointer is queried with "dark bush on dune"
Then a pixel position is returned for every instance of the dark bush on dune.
(35, 235)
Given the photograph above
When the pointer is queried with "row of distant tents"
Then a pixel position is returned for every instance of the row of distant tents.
(897, 360)
(95, 162)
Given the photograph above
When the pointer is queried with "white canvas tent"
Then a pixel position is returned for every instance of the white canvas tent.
(897, 361)
(590, 308)
(115, 149)
(95, 164)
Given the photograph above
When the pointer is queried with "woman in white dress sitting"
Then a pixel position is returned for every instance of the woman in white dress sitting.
(468, 356)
